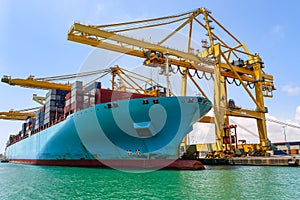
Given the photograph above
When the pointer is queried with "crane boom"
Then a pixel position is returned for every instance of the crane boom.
(15, 115)
(130, 83)
(91, 35)
(47, 82)
(32, 83)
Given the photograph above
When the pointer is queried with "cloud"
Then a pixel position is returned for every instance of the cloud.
(247, 129)
(297, 115)
(291, 90)
(99, 8)
(275, 128)
(278, 30)
(3, 14)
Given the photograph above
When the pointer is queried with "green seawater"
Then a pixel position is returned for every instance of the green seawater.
(222, 182)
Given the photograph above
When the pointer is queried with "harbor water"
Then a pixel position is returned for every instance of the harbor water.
(19, 181)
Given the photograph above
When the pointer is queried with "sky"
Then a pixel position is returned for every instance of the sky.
(33, 41)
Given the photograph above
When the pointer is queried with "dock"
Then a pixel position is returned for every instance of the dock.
(285, 160)
(265, 161)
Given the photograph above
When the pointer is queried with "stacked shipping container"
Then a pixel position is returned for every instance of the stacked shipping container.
(90, 94)
(39, 117)
(60, 104)
(67, 109)
(54, 107)
(76, 96)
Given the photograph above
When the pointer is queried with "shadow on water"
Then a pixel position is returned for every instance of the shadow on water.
(221, 167)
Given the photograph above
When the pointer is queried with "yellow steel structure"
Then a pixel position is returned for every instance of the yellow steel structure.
(31, 82)
(129, 81)
(39, 99)
(17, 115)
(215, 58)
(47, 82)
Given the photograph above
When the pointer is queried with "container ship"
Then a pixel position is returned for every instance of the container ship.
(96, 127)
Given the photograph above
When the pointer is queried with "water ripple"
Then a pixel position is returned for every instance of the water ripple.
(36, 182)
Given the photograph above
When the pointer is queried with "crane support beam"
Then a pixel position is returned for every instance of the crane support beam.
(18, 118)
(105, 45)
(245, 74)
(15, 115)
(245, 113)
(102, 39)
(32, 83)
(39, 99)
(207, 119)
(94, 33)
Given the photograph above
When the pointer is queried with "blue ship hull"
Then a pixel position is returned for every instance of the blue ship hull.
(122, 133)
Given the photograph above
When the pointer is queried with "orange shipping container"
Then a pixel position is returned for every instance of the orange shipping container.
(294, 151)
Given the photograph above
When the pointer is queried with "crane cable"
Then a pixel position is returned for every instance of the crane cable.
(196, 73)
(204, 74)
(244, 128)
(266, 119)
(27, 109)
(71, 76)
(146, 23)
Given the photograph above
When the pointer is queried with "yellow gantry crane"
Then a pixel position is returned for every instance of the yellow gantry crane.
(226, 61)
(129, 81)
(31, 82)
(18, 115)
(47, 83)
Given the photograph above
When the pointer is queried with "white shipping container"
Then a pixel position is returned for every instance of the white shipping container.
(68, 102)
(76, 84)
(76, 99)
(76, 93)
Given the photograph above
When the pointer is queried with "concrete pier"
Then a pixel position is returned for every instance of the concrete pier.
(266, 161)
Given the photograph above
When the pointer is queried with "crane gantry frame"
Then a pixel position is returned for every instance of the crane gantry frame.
(214, 58)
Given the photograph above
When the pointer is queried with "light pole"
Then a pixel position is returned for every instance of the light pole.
(284, 133)
(287, 145)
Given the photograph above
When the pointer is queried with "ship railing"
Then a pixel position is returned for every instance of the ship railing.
(41, 128)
